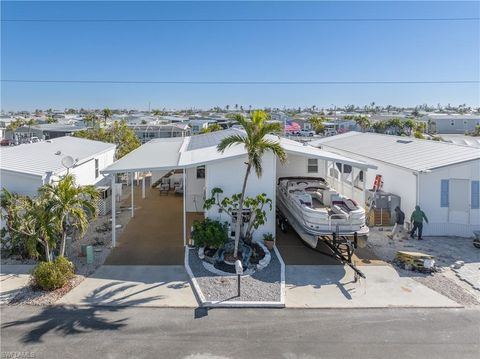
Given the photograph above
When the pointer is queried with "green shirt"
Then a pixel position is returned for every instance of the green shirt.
(418, 216)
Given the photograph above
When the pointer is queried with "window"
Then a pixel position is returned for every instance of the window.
(312, 165)
(200, 172)
(444, 193)
(96, 168)
(475, 193)
(360, 176)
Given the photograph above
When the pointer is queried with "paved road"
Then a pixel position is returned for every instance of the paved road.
(62, 332)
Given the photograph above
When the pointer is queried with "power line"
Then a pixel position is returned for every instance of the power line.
(252, 20)
(241, 82)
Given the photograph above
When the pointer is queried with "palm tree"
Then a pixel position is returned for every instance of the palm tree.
(30, 123)
(256, 144)
(107, 113)
(363, 122)
(409, 125)
(91, 118)
(27, 220)
(72, 205)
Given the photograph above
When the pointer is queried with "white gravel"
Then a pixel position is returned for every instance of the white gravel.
(262, 286)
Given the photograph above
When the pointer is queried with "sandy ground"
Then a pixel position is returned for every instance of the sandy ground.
(446, 251)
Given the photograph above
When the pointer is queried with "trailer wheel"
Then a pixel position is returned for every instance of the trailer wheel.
(283, 226)
(476, 244)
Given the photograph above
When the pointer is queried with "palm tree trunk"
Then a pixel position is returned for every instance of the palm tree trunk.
(63, 244)
(48, 255)
(238, 225)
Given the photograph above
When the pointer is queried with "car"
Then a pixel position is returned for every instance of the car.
(34, 139)
(6, 142)
(307, 133)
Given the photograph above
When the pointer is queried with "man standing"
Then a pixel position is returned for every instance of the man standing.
(417, 218)
(399, 222)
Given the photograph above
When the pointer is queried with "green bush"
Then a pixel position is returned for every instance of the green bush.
(268, 237)
(53, 275)
(210, 233)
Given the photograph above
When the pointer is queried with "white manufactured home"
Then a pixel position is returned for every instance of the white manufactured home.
(202, 168)
(442, 178)
(24, 168)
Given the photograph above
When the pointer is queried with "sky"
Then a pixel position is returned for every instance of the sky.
(237, 51)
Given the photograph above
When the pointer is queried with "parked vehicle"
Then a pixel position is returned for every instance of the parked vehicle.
(307, 133)
(6, 142)
(314, 209)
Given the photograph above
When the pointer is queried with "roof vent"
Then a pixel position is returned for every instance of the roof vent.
(404, 141)
(58, 153)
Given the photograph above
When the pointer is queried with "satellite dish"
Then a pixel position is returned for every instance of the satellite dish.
(68, 162)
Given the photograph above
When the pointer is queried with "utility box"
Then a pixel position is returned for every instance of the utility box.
(382, 203)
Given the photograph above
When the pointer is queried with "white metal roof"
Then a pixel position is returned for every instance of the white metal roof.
(46, 156)
(411, 153)
(173, 153)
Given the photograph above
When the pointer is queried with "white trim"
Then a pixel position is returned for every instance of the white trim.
(114, 220)
(184, 185)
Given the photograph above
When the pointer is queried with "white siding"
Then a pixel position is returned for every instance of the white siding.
(229, 174)
(194, 191)
(441, 222)
(298, 166)
(23, 184)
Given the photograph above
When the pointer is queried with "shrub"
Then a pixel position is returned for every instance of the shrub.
(268, 237)
(52, 275)
(210, 233)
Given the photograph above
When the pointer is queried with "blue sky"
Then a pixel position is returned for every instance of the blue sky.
(238, 51)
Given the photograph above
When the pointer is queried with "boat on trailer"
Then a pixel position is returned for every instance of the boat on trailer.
(316, 211)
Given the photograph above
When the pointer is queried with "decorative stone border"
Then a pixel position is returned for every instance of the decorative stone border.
(237, 304)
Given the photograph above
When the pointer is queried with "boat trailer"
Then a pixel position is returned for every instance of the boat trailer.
(341, 246)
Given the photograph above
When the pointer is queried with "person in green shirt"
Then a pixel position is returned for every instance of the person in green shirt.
(417, 218)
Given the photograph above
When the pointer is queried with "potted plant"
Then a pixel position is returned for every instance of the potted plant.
(268, 240)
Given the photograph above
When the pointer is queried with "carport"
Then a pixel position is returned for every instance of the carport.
(156, 234)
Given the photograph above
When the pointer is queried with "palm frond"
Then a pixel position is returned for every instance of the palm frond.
(230, 141)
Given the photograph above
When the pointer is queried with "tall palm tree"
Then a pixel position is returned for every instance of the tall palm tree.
(107, 113)
(256, 144)
(72, 205)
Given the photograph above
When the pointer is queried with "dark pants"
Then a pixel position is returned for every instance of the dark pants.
(419, 226)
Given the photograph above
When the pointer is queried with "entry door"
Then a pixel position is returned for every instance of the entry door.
(459, 201)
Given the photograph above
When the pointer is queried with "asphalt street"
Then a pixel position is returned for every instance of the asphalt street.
(101, 332)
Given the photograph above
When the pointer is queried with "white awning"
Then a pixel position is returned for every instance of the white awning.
(184, 152)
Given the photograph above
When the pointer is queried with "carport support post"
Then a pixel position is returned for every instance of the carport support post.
(131, 189)
(143, 186)
(114, 211)
(184, 208)
(342, 179)
(353, 192)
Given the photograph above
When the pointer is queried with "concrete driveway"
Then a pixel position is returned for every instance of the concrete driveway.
(328, 286)
(144, 286)
(12, 279)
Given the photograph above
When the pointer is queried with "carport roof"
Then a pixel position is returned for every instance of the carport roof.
(183, 152)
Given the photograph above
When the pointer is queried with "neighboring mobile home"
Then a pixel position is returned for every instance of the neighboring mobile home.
(24, 168)
(443, 178)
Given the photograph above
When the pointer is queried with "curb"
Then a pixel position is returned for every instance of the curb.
(236, 304)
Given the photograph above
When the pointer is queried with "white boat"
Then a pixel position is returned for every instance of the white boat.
(315, 210)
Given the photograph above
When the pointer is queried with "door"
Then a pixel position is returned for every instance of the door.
(459, 201)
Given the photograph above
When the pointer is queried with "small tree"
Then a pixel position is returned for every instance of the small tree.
(318, 123)
(230, 206)
(212, 128)
(107, 113)
(363, 122)
(72, 205)
(409, 125)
